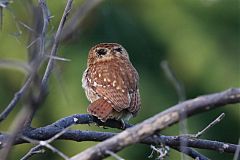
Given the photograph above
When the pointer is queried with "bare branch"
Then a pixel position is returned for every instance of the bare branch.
(33, 151)
(55, 150)
(213, 123)
(45, 143)
(16, 98)
(55, 44)
(58, 58)
(26, 26)
(180, 90)
(78, 17)
(14, 64)
(178, 86)
(45, 15)
(159, 122)
(117, 157)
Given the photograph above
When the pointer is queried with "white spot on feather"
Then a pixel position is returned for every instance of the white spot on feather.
(114, 83)
(118, 87)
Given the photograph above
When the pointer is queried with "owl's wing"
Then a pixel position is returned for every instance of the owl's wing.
(135, 102)
(115, 82)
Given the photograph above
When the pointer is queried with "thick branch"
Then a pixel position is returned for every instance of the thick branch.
(159, 122)
(44, 133)
(47, 132)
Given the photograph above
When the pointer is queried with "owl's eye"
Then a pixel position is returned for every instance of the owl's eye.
(118, 49)
(101, 52)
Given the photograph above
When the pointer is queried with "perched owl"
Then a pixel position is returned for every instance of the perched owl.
(111, 83)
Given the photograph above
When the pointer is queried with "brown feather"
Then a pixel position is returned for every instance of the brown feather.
(100, 108)
(111, 83)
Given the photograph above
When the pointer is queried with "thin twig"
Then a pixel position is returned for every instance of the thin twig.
(213, 123)
(58, 58)
(180, 90)
(33, 151)
(162, 152)
(117, 157)
(33, 42)
(78, 17)
(16, 98)
(178, 86)
(46, 143)
(55, 150)
(14, 64)
(26, 26)
(55, 44)
(45, 16)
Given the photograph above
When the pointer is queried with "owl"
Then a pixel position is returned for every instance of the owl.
(111, 83)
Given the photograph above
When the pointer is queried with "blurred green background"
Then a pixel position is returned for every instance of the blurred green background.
(199, 39)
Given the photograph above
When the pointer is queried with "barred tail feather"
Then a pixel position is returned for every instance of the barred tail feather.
(101, 109)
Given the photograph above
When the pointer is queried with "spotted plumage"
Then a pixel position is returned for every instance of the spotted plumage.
(111, 83)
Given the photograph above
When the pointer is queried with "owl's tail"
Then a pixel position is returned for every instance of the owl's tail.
(101, 109)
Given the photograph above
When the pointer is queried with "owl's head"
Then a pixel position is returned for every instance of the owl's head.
(106, 51)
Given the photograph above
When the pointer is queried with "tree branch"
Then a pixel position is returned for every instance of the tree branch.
(48, 132)
(55, 44)
(212, 101)
(159, 122)
(73, 24)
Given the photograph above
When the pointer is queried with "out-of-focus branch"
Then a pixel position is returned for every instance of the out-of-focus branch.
(45, 16)
(178, 86)
(55, 44)
(73, 24)
(180, 90)
(159, 122)
(24, 118)
(16, 98)
(35, 52)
